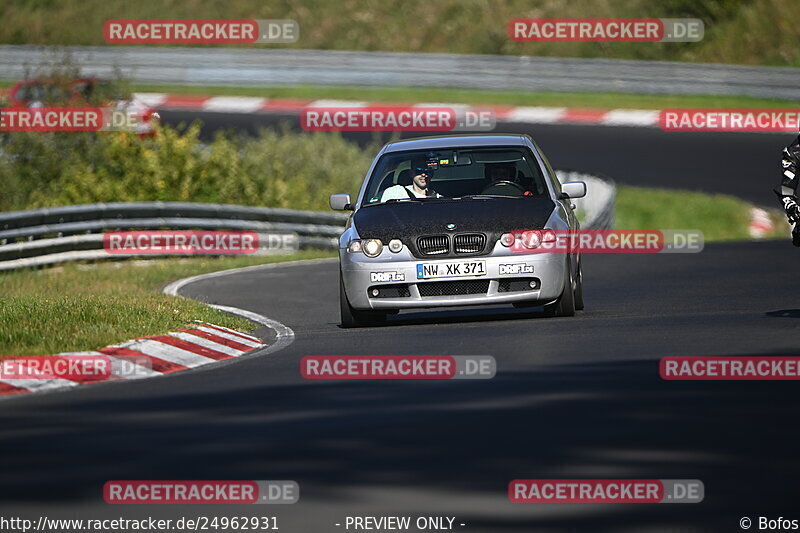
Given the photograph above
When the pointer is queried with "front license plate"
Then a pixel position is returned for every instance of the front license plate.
(451, 269)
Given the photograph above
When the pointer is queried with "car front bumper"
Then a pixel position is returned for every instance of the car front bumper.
(548, 273)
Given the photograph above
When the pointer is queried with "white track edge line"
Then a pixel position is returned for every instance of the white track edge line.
(172, 288)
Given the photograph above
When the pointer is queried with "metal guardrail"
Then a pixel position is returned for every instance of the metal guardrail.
(596, 209)
(124, 210)
(48, 236)
(269, 67)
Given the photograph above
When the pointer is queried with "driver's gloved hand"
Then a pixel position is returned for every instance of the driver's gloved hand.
(791, 208)
(793, 214)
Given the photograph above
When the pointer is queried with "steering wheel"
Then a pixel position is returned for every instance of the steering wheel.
(504, 183)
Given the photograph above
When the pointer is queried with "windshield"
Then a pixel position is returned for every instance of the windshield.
(455, 174)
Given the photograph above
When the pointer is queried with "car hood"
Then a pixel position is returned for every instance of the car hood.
(492, 216)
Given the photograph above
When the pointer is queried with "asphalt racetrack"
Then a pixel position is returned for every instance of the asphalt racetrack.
(573, 397)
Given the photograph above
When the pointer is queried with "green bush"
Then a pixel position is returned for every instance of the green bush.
(276, 169)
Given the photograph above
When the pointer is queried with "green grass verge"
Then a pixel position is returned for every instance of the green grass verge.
(484, 97)
(85, 307)
(736, 31)
(470, 96)
(720, 217)
(481, 97)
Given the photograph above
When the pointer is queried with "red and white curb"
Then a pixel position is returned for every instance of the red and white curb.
(522, 114)
(198, 345)
(760, 223)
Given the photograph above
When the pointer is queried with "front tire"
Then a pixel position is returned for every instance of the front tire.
(565, 305)
(353, 318)
(579, 290)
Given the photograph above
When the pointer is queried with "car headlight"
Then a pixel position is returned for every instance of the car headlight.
(372, 247)
(507, 239)
(531, 239)
(354, 247)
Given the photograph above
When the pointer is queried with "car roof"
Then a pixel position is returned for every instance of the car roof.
(453, 141)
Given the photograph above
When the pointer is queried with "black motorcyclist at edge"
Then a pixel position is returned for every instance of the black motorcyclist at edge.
(787, 191)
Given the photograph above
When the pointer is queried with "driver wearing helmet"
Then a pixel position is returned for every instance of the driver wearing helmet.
(787, 191)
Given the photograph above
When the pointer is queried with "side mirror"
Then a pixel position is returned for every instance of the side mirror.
(341, 202)
(573, 189)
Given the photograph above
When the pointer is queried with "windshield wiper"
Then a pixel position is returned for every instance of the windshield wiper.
(394, 201)
(484, 196)
(403, 200)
